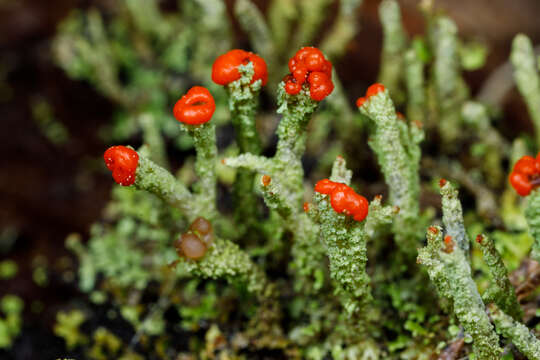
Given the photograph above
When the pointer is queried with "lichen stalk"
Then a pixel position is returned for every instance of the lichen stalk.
(501, 290)
(344, 29)
(532, 214)
(447, 81)
(394, 44)
(296, 111)
(527, 78)
(451, 274)
(345, 244)
(415, 84)
(526, 342)
(160, 182)
(152, 137)
(453, 216)
(243, 104)
(398, 154)
(204, 138)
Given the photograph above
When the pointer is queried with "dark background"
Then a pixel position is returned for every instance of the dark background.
(49, 191)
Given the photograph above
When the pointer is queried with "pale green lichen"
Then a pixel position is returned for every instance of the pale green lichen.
(526, 342)
(226, 260)
(396, 145)
(449, 86)
(532, 213)
(451, 274)
(501, 290)
(243, 104)
(415, 84)
(453, 217)
(344, 29)
(394, 45)
(527, 78)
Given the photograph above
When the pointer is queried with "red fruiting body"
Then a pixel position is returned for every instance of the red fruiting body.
(196, 107)
(325, 186)
(374, 89)
(306, 207)
(344, 199)
(520, 183)
(448, 244)
(309, 65)
(526, 165)
(360, 101)
(225, 68)
(479, 238)
(122, 161)
(525, 175)
(320, 85)
(433, 230)
(442, 182)
(266, 180)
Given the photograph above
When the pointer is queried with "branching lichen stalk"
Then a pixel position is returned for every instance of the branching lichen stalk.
(398, 153)
(243, 104)
(451, 274)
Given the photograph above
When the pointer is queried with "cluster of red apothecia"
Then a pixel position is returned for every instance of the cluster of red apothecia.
(525, 176)
(371, 91)
(122, 161)
(197, 106)
(344, 199)
(309, 65)
(194, 243)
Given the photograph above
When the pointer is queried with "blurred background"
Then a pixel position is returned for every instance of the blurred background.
(52, 181)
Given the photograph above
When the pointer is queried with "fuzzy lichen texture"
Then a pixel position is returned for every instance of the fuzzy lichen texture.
(345, 244)
(160, 182)
(516, 332)
(451, 274)
(532, 214)
(296, 111)
(501, 290)
(344, 29)
(225, 259)
(394, 45)
(453, 217)
(243, 104)
(285, 190)
(527, 78)
(449, 87)
(204, 138)
(396, 145)
(415, 84)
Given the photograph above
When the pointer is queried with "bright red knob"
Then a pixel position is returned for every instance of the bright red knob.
(196, 107)
(123, 162)
(225, 68)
